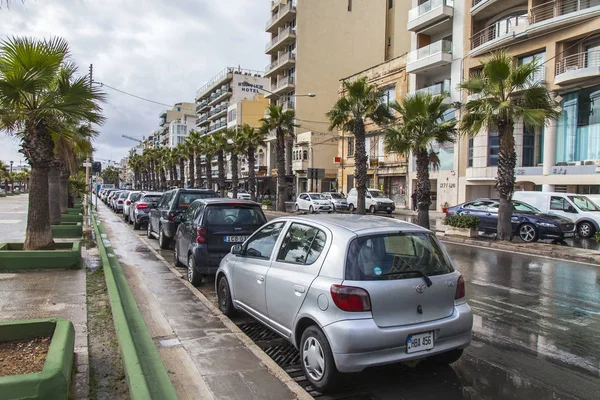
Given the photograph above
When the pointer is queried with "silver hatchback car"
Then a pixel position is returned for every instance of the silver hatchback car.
(349, 292)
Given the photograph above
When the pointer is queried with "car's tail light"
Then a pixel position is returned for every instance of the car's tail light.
(128, 202)
(201, 235)
(460, 288)
(351, 299)
(120, 201)
(171, 216)
(141, 206)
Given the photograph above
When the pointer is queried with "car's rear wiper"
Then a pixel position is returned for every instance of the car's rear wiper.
(411, 271)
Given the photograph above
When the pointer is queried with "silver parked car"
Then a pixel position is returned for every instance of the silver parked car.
(349, 292)
(337, 200)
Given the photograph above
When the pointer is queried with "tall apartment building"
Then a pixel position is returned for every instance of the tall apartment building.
(180, 128)
(313, 45)
(178, 111)
(563, 35)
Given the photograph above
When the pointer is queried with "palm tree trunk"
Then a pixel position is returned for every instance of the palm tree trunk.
(234, 174)
(192, 171)
(198, 171)
(209, 180)
(38, 235)
(54, 194)
(251, 173)
(163, 178)
(281, 184)
(360, 167)
(64, 191)
(507, 161)
(182, 172)
(221, 166)
(423, 188)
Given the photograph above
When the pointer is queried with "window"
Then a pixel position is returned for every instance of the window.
(349, 5)
(188, 215)
(584, 204)
(470, 153)
(185, 199)
(297, 245)
(262, 243)
(390, 3)
(528, 147)
(518, 206)
(493, 148)
(540, 74)
(231, 115)
(389, 95)
(305, 154)
(558, 203)
(588, 189)
(350, 147)
(395, 256)
(477, 205)
(239, 215)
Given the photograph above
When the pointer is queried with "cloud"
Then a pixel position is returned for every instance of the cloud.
(158, 49)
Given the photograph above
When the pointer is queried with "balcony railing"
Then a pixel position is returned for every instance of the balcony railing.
(553, 9)
(441, 46)
(434, 90)
(424, 8)
(216, 126)
(290, 80)
(284, 34)
(280, 61)
(282, 11)
(578, 61)
(288, 105)
(499, 29)
(475, 2)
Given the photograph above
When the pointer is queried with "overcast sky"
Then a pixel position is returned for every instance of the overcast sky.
(158, 49)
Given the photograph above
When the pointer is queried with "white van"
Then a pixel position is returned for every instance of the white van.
(375, 201)
(578, 208)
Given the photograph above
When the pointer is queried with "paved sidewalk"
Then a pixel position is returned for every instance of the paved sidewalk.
(204, 358)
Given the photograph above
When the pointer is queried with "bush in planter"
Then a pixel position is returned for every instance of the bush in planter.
(267, 203)
(462, 221)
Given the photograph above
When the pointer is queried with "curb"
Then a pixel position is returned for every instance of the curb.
(146, 375)
(546, 251)
(267, 361)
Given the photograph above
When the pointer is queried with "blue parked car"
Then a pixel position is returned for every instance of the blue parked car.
(529, 223)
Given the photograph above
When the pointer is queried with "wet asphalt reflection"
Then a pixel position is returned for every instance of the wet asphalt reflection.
(536, 332)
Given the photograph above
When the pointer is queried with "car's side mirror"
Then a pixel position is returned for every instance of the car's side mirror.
(236, 249)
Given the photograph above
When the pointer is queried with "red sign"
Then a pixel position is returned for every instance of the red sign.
(337, 160)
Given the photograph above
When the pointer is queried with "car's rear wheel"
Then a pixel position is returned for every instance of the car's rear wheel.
(585, 229)
(311, 210)
(192, 275)
(446, 358)
(224, 297)
(163, 241)
(125, 217)
(528, 233)
(351, 208)
(176, 254)
(297, 208)
(372, 210)
(316, 359)
(136, 225)
(149, 230)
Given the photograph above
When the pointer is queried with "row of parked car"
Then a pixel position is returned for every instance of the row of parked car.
(538, 215)
(330, 202)
(348, 291)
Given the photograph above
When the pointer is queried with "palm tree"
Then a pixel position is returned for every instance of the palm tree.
(221, 147)
(39, 95)
(420, 124)
(361, 102)
(181, 153)
(135, 162)
(505, 93)
(190, 145)
(110, 175)
(237, 146)
(210, 150)
(4, 175)
(282, 122)
(252, 139)
(195, 143)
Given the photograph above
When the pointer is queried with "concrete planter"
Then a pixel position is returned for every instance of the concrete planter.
(67, 230)
(465, 232)
(66, 255)
(75, 210)
(71, 218)
(267, 208)
(54, 380)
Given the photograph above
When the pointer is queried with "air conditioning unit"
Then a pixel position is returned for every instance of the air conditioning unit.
(575, 163)
(592, 162)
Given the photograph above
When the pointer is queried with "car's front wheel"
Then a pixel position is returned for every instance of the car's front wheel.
(192, 275)
(149, 230)
(297, 208)
(224, 297)
(317, 361)
(163, 241)
(528, 233)
(125, 217)
(585, 229)
(176, 254)
(351, 208)
(311, 210)
(372, 210)
(136, 225)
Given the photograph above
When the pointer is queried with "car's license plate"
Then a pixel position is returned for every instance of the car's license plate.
(389, 208)
(570, 234)
(234, 239)
(422, 341)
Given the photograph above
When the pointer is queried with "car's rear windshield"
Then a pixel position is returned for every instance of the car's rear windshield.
(390, 256)
(185, 199)
(151, 199)
(123, 194)
(233, 214)
(336, 196)
(377, 194)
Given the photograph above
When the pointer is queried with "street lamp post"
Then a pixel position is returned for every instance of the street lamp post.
(12, 185)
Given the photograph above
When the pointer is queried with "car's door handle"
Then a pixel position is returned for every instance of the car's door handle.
(298, 289)
(260, 279)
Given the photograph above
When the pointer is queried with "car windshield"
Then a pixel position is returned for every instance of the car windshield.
(185, 199)
(316, 196)
(123, 195)
(377, 194)
(150, 199)
(584, 204)
(336, 196)
(377, 257)
(522, 207)
(239, 215)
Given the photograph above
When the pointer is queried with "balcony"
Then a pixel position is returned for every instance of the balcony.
(288, 105)
(442, 88)
(578, 67)
(286, 13)
(203, 120)
(201, 106)
(427, 17)
(218, 112)
(284, 85)
(435, 55)
(498, 34)
(219, 126)
(219, 96)
(485, 9)
(553, 14)
(286, 60)
(300, 165)
(285, 37)
(274, 4)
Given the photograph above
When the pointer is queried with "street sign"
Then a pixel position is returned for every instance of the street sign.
(315, 173)
(337, 160)
(87, 164)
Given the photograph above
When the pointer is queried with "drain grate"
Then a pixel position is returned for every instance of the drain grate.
(284, 355)
(257, 331)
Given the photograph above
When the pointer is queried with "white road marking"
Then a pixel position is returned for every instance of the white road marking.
(10, 221)
(13, 212)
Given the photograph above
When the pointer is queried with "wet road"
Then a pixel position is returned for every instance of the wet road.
(536, 333)
(13, 216)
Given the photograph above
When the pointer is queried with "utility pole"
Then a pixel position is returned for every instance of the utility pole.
(87, 161)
